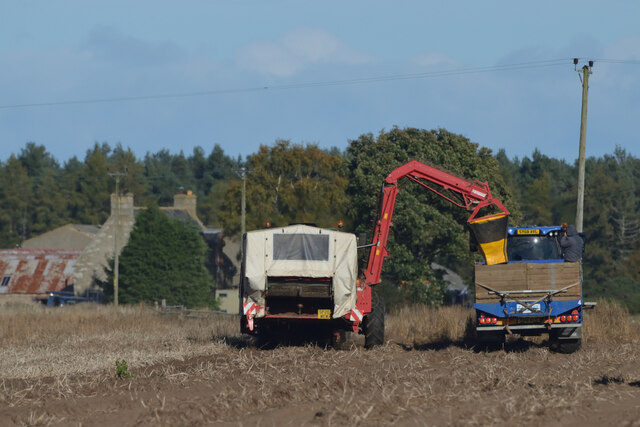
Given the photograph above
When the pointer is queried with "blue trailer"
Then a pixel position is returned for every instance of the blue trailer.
(535, 293)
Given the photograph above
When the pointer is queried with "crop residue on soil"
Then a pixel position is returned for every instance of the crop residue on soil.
(198, 371)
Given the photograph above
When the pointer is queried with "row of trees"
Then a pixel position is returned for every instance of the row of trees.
(39, 194)
(303, 183)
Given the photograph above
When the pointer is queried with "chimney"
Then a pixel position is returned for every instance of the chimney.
(126, 204)
(187, 202)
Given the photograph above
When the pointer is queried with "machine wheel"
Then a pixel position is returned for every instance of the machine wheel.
(373, 324)
(339, 339)
(492, 340)
(566, 346)
(264, 338)
(571, 342)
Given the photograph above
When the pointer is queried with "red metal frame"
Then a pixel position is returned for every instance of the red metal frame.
(363, 302)
(474, 195)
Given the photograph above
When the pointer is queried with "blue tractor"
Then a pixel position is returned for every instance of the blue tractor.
(536, 292)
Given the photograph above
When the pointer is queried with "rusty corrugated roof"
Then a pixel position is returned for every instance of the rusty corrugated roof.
(35, 271)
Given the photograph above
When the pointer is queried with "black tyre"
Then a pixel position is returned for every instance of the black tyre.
(490, 340)
(264, 337)
(373, 324)
(566, 346)
(565, 340)
(339, 339)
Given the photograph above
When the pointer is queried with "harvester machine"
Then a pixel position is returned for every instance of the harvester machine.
(305, 278)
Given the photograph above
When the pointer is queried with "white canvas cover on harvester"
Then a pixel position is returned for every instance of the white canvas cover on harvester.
(301, 251)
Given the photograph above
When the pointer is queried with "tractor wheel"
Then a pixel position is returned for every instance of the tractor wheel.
(490, 340)
(373, 324)
(339, 339)
(566, 346)
(265, 338)
(570, 344)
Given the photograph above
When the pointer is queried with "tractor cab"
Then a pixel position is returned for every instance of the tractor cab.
(531, 244)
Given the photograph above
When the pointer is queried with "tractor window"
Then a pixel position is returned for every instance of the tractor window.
(530, 248)
(301, 247)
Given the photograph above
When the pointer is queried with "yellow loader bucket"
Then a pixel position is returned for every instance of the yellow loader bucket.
(490, 233)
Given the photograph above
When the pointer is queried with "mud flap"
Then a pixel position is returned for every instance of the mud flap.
(250, 309)
(567, 333)
(490, 233)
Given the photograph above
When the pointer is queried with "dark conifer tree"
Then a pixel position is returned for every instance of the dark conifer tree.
(164, 259)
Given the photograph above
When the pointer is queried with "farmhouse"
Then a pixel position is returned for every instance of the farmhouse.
(86, 250)
(95, 256)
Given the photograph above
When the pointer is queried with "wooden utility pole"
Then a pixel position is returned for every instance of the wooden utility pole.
(244, 201)
(243, 171)
(116, 253)
(586, 70)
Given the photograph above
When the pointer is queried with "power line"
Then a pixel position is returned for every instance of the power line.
(618, 61)
(346, 82)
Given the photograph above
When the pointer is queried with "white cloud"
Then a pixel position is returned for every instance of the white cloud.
(296, 51)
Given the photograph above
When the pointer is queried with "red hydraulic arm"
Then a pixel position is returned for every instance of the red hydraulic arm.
(474, 196)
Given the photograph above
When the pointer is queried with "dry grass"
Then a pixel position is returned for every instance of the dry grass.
(610, 323)
(192, 371)
(421, 325)
(40, 341)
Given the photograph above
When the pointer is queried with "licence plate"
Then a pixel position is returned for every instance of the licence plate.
(324, 314)
(534, 231)
(526, 320)
(521, 310)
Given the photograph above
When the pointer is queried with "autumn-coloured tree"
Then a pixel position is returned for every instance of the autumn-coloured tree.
(288, 183)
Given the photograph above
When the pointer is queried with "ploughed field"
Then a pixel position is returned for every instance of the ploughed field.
(58, 367)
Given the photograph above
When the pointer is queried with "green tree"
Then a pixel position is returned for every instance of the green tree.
(611, 227)
(509, 171)
(37, 160)
(94, 186)
(167, 174)
(164, 259)
(425, 227)
(214, 175)
(288, 183)
(545, 188)
(48, 209)
(16, 188)
(134, 181)
(535, 206)
(32, 198)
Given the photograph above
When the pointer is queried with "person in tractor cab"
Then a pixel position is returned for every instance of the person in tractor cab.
(572, 244)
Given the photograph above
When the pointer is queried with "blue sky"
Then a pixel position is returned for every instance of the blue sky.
(53, 52)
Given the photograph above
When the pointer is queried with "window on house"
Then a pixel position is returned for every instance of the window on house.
(5, 281)
(222, 295)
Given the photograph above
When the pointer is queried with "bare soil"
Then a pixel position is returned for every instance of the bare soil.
(225, 380)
